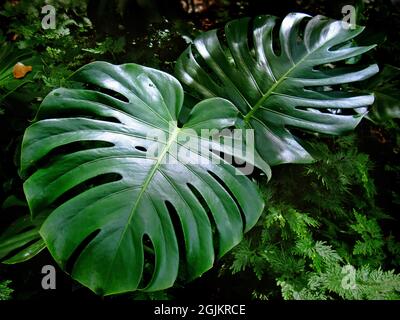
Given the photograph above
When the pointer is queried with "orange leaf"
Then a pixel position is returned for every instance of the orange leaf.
(20, 70)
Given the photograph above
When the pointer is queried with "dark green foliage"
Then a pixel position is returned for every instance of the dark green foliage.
(312, 237)
(5, 290)
(387, 96)
(335, 218)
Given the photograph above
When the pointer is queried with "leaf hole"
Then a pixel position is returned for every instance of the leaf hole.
(19, 249)
(148, 261)
(69, 266)
(302, 29)
(250, 39)
(276, 44)
(74, 113)
(208, 70)
(207, 209)
(228, 190)
(235, 162)
(85, 186)
(114, 94)
(140, 148)
(69, 148)
(348, 43)
(180, 236)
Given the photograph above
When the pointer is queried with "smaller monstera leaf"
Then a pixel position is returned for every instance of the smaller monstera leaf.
(131, 194)
(21, 241)
(281, 82)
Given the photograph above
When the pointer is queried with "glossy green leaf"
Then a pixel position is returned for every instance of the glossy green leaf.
(21, 241)
(144, 195)
(280, 82)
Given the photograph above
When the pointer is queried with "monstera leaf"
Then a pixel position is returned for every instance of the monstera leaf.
(129, 193)
(21, 241)
(281, 83)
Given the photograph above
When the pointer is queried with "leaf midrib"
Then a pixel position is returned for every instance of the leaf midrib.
(171, 140)
(259, 103)
(146, 183)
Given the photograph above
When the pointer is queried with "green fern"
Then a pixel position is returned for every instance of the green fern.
(310, 236)
(5, 290)
(372, 240)
(368, 285)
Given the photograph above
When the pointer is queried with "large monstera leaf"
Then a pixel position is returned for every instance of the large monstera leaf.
(118, 204)
(281, 82)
